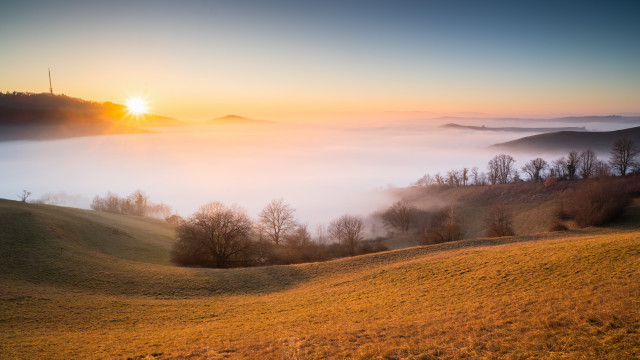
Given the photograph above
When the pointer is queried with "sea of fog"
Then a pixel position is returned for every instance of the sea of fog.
(322, 171)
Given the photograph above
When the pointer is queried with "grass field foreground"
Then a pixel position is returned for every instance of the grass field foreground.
(560, 295)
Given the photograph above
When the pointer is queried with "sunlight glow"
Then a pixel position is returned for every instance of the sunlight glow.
(136, 106)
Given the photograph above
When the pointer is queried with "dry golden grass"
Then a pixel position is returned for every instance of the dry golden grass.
(572, 295)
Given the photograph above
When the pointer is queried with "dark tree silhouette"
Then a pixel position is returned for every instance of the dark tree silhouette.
(573, 162)
(501, 169)
(623, 156)
(535, 169)
(24, 195)
(588, 160)
(214, 236)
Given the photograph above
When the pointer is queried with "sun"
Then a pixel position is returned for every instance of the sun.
(136, 106)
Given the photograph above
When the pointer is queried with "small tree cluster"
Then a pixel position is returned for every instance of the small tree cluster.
(137, 203)
(598, 202)
(219, 236)
(499, 221)
(501, 168)
(443, 226)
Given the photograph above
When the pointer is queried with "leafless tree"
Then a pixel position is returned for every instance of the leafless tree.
(482, 179)
(588, 159)
(623, 156)
(475, 175)
(401, 216)
(464, 176)
(322, 237)
(443, 226)
(299, 236)
(453, 178)
(501, 169)
(573, 163)
(347, 230)
(276, 220)
(535, 169)
(559, 168)
(24, 195)
(601, 169)
(214, 236)
(499, 221)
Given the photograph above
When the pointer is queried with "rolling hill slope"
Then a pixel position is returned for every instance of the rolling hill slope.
(566, 141)
(79, 284)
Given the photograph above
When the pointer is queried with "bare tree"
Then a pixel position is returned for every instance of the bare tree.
(401, 215)
(535, 169)
(440, 180)
(501, 169)
(322, 237)
(623, 156)
(499, 221)
(276, 220)
(347, 230)
(426, 180)
(601, 169)
(475, 175)
(24, 195)
(559, 168)
(215, 236)
(464, 176)
(573, 163)
(443, 226)
(299, 236)
(588, 159)
(453, 177)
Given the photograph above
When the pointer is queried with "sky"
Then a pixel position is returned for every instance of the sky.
(196, 60)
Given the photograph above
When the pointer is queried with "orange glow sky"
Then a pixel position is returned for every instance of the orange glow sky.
(278, 60)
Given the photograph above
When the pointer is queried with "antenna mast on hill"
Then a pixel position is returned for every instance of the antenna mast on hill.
(50, 88)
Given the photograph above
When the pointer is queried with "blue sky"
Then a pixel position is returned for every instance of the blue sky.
(268, 58)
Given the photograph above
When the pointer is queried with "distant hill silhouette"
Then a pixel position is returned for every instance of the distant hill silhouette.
(27, 116)
(569, 141)
(511, 129)
(617, 119)
(237, 119)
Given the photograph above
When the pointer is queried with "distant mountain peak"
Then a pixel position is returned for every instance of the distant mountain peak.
(237, 119)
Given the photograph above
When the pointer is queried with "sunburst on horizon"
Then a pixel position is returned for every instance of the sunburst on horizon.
(137, 106)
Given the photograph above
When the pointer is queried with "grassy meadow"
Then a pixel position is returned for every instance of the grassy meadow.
(83, 284)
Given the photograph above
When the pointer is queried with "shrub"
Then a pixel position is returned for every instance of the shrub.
(598, 202)
(443, 226)
(499, 221)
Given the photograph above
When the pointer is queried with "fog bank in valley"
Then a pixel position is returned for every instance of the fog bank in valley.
(323, 171)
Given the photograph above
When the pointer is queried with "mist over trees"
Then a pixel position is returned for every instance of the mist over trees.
(137, 203)
(400, 216)
(501, 168)
(222, 237)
